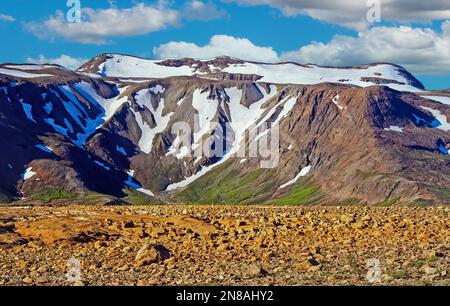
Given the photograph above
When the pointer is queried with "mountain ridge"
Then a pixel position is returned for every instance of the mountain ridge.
(221, 64)
(95, 138)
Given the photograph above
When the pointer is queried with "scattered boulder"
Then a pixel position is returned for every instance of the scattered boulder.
(152, 253)
(309, 264)
(128, 224)
(254, 271)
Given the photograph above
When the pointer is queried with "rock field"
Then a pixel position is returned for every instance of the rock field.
(224, 245)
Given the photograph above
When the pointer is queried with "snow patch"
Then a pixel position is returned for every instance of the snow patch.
(444, 150)
(289, 73)
(131, 67)
(440, 121)
(27, 108)
(243, 117)
(130, 183)
(44, 148)
(102, 165)
(110, 106)
(56, 127)
(48, 107)
(158, 89)
(336, 101)
(286, 73)
(394, 129)
(177, 150)
(207, 110)
(441, 99)
(302, 173)
(30, 67)
(21, 74)
(28, 174)
(121, 150)
(143, 99)
(69, 125)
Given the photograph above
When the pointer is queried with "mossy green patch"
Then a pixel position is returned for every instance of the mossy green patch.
(53, 194)
(389, 202)
(134, 197)
(5, 199)
(369, 174)
(303, 193)
(443, 193)
(227, 185)
(366, 174)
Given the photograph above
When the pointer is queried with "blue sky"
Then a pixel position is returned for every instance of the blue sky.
(242, 28)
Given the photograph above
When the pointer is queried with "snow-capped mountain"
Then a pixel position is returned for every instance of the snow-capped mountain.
(123, 66)
(367, 134)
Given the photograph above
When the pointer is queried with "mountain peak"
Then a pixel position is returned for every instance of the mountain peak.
(125, 66)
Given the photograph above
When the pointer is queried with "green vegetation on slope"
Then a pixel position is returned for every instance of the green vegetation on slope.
(227, 185)
(5, 199)
(389, 202)
(135, 197)
(303, 192)
(53, 194)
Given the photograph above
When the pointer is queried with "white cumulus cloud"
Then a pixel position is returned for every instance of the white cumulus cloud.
(353, 13)
(218, 45)
(64, 60)
(199, 10)
(97, 26)
(7, 18)
(422, 51)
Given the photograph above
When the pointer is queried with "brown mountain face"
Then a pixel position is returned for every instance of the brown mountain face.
(76, 136)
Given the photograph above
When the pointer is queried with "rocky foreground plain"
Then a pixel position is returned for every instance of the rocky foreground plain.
(224, 245)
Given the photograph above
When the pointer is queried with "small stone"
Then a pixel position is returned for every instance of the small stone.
(278, 269)
(41, 280)
(429, 270)
(27, 280)
(126, 249)
(223, 247)
(152, 253)
(254, 271)
(124, 268)
(78, 284)
(308, 264)
(241, 223)
(128, 224)
(99, 244)
(387, 278)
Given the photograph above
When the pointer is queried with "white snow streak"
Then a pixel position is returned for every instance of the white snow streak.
(442, 119)
(28, 174)
(302, 173)
(394, 129)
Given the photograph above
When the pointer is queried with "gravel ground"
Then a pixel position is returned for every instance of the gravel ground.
(224, 245)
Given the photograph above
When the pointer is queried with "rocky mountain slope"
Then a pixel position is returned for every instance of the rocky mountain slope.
(115, 131)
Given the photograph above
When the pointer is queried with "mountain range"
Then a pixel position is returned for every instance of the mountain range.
(369, 134)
